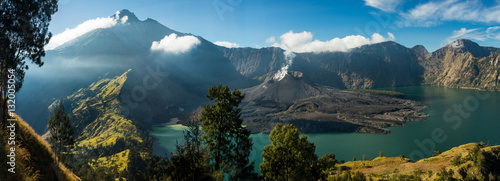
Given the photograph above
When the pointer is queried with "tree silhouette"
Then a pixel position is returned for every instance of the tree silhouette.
(61, 133)
(228, 142)
(23, 34)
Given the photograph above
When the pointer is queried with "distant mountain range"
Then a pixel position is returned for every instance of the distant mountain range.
(160, 86)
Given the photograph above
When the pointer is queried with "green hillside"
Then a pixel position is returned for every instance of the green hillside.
(105, 136)
(96, 109)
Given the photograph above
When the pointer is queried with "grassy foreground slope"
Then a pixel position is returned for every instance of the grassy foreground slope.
(459, 163)
(34, 158)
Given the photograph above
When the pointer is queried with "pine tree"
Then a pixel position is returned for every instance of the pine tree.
(289, 157)
(228, 142)
(61, 133)
(191, 161)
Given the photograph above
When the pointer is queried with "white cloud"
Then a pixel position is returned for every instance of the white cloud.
(85, 27)
(493, 32)
(465, 33)
(391, 36)
(173, 44)
(303, 42)
(227, 44)
(384, 5)
(271, 39)
(124, 19)
(435, 12)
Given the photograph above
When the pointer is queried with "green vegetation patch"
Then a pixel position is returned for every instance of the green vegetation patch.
(117, 161)
(380, 92)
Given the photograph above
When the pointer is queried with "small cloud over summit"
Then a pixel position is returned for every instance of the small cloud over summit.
(227, 44)
(174, 44)
(303, 42)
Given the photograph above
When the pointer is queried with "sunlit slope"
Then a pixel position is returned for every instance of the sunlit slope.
(458, 159)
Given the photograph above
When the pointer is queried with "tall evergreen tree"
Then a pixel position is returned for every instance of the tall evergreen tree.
(289, 157)
(61, 133)
(23, 35)
(191, 161)
(228, 142)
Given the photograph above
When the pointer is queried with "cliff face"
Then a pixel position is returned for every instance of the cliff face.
(378, 65)
(462, 63)
(255, 63)
(465, 64)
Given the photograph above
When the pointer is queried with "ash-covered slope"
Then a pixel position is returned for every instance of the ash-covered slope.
(316, 108)
(287, 90)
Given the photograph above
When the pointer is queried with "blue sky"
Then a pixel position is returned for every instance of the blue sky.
(306, 25)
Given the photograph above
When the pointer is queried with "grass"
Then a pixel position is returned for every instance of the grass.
(34, 157)
(380, 92)
(387, 167)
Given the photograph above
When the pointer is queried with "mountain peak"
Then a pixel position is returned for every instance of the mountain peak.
(463, 43)
(466, 45)
(420, 50)
(126, 13)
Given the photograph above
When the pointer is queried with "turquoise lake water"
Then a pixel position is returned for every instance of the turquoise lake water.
(456, 116)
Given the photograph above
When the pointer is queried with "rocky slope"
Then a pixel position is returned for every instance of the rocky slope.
(316, 108)
(464, 64)
(377, 65)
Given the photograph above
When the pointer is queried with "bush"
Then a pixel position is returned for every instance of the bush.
(457, 161)
(402, 157)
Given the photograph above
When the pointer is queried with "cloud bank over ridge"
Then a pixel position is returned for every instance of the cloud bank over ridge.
(303, 42)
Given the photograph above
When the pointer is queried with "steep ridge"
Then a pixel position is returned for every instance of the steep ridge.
(316, 108)
(103, 132)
